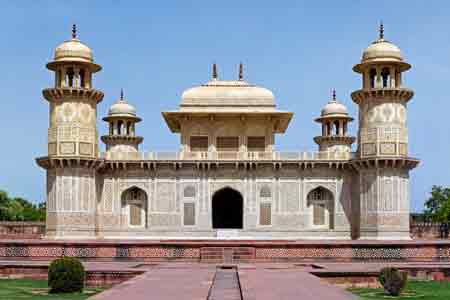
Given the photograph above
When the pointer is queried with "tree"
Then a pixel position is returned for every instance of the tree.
(437, 207)
(19, 209)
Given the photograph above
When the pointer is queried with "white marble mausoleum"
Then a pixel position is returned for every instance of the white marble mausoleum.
(227, 180)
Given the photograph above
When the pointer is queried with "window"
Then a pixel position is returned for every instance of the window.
(227, 143)
(189, 192)
(189, 214)
(265, 192)
(256, 143)
(199, 143)
(265, 213)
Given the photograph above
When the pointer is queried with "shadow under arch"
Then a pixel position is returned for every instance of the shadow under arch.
(227, 209)
(135, 200)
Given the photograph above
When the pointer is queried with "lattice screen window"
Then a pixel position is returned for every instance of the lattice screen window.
(135, 214)
(256, 143)
(189, 192)
(265, 192)
(199, 143)
(319, 214)
(189, 214)
(265, 213)
(227, 143)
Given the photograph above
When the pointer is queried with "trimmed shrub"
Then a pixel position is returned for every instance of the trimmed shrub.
(392, 280)
(66, 275)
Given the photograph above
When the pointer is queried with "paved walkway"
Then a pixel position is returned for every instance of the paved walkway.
(160, 283)
(285, 284)
(206, 282)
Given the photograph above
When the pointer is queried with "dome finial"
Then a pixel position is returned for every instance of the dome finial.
(333, 93)
(381, 30)
(74, 31)
(121, 94)
(214, 71)
(241, 71)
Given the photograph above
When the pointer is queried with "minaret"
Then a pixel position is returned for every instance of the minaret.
(382, 155)
(334, 119)
(72, 142)
(73, 101)
(122, 119)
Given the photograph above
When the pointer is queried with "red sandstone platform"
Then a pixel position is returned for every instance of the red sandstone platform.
(229, 251)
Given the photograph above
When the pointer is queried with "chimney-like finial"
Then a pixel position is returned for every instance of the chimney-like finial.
(334, 94)
(381, 30)
(74, 31)
(214, 71)
(241, 71)
(121, 94)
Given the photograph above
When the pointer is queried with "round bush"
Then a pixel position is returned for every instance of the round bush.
(392, 280)
(66, 275)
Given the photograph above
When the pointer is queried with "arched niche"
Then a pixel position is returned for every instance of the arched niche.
(134, 202)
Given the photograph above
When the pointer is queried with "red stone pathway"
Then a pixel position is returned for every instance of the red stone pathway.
(195, 282)
(264, 283)
(164, 283)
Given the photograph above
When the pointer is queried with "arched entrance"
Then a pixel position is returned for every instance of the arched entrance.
(227, 209)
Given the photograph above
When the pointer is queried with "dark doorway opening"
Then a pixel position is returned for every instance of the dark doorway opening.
(227, 209)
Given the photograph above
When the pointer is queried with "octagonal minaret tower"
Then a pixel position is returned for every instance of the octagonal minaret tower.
(122, 121)
(334, 119)
(73, 101)
(382, 156)
(72, 142)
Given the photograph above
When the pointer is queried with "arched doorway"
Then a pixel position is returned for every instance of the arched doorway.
(321, 205)
(134, 206)
(227, 209)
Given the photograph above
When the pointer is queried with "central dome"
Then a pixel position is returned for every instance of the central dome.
(228, 93)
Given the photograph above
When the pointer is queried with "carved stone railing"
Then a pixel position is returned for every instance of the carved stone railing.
(228, 155)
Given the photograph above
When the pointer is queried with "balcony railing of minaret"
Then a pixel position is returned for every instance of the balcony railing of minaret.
(229, 155)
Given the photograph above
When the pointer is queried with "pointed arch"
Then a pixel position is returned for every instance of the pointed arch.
(320, 202)
(227, 209)
(134, 202)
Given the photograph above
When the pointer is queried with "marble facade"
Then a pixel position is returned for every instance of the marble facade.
(228, 131)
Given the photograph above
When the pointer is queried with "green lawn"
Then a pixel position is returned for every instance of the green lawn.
(426, 290)
(28, 289)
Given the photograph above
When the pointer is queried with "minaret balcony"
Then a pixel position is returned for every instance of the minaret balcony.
(229, 156)
(58, 94)
(362, 95)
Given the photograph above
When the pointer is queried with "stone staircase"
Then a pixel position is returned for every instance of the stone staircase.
(227, 255)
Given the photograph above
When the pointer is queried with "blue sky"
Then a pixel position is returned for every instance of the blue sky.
(156, 49)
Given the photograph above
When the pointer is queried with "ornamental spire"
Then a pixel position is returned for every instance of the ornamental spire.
(214, 71)
(121, 94)
(74, 31)
(333, 93)
(241, 71)
(381, 30)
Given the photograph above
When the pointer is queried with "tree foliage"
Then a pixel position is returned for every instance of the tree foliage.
(19, 209)
(437, 207)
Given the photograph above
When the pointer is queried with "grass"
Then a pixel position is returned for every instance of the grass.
(426, 290)
(29, 289)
